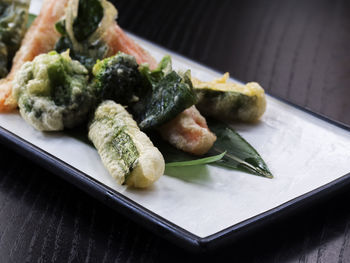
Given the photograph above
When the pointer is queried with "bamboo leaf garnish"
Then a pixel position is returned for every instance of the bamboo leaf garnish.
(200, 161)
(31, 19)
(240, 154)
(246, 165)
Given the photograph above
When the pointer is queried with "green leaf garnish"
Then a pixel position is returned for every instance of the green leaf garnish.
(31, 19)
(240, 154)
(201, 161)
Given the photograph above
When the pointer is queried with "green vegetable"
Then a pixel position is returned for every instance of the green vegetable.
(117, 78)
(200, 161)
(3, 60)
(31, 19)
(240, 154)
(85, 23)
(127, 153)
(90, 14)
(154, 97)
(52, 92)
(13, 19)
(168, 94)
(230, 101)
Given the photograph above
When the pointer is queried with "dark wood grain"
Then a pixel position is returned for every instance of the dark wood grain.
(298, 50)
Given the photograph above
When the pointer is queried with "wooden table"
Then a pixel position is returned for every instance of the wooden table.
(297, 50)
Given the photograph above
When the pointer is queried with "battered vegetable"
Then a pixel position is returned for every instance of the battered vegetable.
(168, 94)
(83, 29)
(127, 153)
(230, 101)
(117, 78)
(153, 96)
(52, 92)
(13, 20)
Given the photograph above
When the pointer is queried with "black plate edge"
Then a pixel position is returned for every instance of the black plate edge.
(234, 232)
(122, 204)
(315, 114)
(159, 225)
(304, 201)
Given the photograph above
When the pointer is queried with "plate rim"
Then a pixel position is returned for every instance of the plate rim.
(154, 222)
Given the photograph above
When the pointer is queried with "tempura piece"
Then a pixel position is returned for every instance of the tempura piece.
(127, 153)
(90, 31)
(40, 38)
(230, 101)
(117, 78)
(189, 132)
(52, 92)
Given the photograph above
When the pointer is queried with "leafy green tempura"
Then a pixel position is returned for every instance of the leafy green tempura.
(90, 14)
(13, 20)
(52, 92)
(82, 30)
(153, 96)
(231, 101)
(168, 94)
(117, 78)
